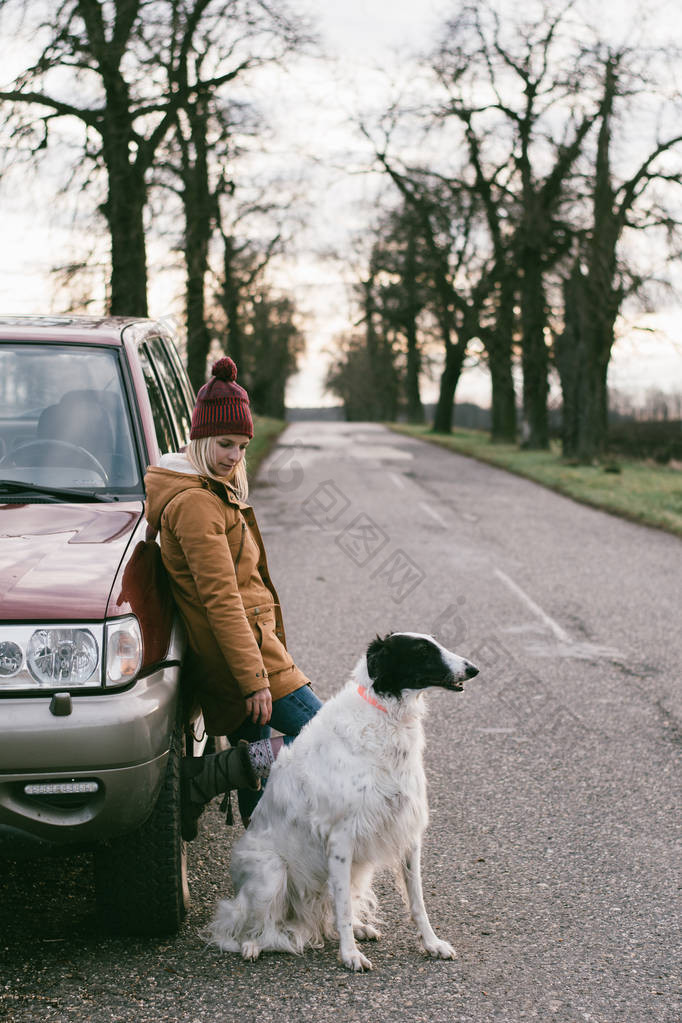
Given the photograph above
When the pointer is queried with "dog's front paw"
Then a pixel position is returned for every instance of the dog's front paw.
(355, 961)
(440, 949)
(365, 932)
(250, 951)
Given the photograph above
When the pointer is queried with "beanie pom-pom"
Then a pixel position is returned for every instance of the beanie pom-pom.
(225, 369)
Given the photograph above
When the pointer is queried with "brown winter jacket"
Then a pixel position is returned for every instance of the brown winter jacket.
(214, 555)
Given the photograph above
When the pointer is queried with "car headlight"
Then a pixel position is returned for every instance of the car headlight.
(60, 657)
(63, 657)
(11, 659)
(123, 651)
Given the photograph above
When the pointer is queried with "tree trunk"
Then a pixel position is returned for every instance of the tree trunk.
(261, 335)
(198, 337)
(602, 295)
(593, 399)
(197, 235)
(199, 205)
(589, 438)
(582, 359)
(124, 212)
(454, 356)
(415, 409)
(535, 359)
(604, 396)
(503, 410)
(375, 408)
(569, 357)
(499, 345)
(229, 300)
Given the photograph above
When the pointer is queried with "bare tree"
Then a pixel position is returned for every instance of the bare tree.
(521, 90)
(247, 317)
(252, 235)
(491, 187)
(348, 377)
(199, 204)
(204, 153)
(364, 372)
(273, 343)
(401, 263)
(601, 275)
(446, 217)
(129, 67)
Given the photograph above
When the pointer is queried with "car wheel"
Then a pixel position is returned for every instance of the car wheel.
(141, 879)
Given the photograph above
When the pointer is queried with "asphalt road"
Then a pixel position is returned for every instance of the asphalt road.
(552, 861)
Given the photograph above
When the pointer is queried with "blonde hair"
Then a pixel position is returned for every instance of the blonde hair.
(201, 453)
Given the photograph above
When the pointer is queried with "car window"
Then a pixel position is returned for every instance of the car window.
(64, 420)
(182, 376)
(162, 421)
(177, 402)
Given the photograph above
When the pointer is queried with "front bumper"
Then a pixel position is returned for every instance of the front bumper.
(120, 741)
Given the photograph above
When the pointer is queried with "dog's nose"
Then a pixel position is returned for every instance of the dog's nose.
(471, 670)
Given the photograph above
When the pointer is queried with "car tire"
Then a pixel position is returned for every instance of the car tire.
(141, 878)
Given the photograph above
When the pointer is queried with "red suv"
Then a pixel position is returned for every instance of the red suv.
(91, 721)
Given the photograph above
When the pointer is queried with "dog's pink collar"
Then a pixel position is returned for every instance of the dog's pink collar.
(370, 699)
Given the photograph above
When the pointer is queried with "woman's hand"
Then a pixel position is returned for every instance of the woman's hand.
(259, 706)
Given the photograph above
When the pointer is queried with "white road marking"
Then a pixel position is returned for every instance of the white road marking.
(567, 647)
(553, 626)
(575, 649)
(433, 513)
(398, 480)
(380, 452)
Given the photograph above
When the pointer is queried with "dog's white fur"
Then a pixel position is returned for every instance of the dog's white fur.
(348, 797)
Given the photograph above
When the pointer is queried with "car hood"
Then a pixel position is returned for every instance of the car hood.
(59, 561)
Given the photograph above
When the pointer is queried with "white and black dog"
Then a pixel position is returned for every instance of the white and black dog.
(346, 798)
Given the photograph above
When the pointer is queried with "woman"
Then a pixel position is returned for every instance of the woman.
(241, 673)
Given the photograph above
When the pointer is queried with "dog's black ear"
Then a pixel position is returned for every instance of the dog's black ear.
(377, 657)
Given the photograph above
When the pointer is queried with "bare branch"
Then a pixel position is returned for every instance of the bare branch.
(90, 117)
(643, 176)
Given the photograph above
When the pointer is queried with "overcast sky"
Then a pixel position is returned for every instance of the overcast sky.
(315, 103)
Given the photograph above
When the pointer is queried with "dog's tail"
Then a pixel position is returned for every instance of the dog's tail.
(257, 917)
(224, 928)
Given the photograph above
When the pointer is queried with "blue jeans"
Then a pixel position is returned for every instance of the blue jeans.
(289, 715)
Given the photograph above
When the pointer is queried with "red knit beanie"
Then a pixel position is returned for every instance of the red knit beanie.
(222, 405)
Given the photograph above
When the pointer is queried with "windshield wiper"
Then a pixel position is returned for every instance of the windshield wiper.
(58, 493)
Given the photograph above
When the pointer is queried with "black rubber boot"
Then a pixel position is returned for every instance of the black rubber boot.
(202, 778)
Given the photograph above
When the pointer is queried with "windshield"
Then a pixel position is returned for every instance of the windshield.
(64, 420)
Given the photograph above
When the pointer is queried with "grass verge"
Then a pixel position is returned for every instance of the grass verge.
(265, 434)
(636, 490)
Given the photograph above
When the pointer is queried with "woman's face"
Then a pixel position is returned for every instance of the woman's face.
(228, 452)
